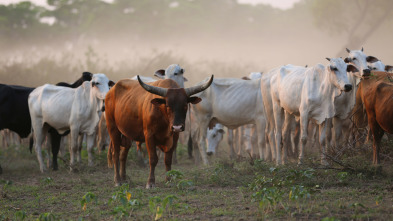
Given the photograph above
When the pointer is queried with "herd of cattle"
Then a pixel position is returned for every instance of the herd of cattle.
(272, 110)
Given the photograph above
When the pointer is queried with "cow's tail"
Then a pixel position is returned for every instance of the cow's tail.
(31, 142)
(189, 146)
(189, 143)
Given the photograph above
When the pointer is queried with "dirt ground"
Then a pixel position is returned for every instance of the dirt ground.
(224, 190)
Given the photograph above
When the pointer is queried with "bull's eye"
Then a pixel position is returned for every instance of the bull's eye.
(175, 74)
(334, 69)
(96, 83)
(214, 135)
(354, 58)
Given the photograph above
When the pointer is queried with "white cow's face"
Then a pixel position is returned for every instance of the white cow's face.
(359, 60)
(376, 66)
(338, 74)
(174, 72)
(100, 85)
(214, 137)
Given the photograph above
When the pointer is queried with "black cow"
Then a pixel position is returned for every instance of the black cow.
(15, 115)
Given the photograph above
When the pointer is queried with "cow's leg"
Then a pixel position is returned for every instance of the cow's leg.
(295, 137)
(123, 161)
(286, 136)
(270, 137)
(260, 126)
(153, 160)
(48, 147)
(168, 155)
(40, 134)
(377, 133)
(114, 148)
(323, 141)
(55, 139)
(174, 156)
(79, 148)
(74, 147)
(202, 140)
(278, 118)
(90, 140)
(337, 127)
(303, 135)
(230, 143)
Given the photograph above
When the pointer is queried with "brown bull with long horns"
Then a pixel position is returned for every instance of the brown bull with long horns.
(153, 113)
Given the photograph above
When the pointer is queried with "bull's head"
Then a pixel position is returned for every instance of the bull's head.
(176, 101)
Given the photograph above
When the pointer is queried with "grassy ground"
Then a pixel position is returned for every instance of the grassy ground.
(225, 190)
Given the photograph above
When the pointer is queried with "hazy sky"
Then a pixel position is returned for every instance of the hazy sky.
(283, 4)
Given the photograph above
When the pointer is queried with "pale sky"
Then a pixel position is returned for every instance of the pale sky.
(283, 4)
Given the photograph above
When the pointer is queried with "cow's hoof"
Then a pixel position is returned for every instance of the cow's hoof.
(150, 185)
(44, 170)
(91, 164)
(55, 168)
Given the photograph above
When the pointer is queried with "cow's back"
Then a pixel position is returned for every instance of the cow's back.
(233, 102)
(51, 104)
(14, 110)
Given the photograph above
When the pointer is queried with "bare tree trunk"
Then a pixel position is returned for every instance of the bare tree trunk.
(355, 42)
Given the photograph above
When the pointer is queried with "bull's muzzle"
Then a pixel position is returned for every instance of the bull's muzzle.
(209, 153)
(178, 128)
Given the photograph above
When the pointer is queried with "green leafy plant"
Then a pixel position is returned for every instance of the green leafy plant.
(125, 205)
(88, 198)
(20, 215)
(173, 176)
(47, 217)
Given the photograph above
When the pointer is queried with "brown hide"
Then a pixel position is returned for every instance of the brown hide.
(131, 115)
(376, 93)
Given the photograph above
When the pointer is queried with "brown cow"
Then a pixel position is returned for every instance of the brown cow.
(375, 94)
(135, 112)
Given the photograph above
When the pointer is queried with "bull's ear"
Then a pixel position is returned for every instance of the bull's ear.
(388, 68)
(347, 60)
(349, 51)
(351, 68)
(160, 74)
(111, 83)
(185, 79)
(194, 100)
(371, 59)
(158, 101)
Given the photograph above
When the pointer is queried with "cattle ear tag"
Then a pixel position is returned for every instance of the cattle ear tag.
(158, 101)
(194, 100)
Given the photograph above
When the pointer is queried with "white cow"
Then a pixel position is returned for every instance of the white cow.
(232, 103)
(345, 103)
(214, 137)
(376, 65)
(306, 93)
(66, 109)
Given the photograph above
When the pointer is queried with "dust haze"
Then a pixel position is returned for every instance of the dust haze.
(221, 38)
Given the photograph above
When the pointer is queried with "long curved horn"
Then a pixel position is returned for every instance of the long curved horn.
(152, 89)
(196, 89)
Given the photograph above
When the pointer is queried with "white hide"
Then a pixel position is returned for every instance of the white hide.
(66, 109)
(232, 103)
(174, 72)
(306, 93)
